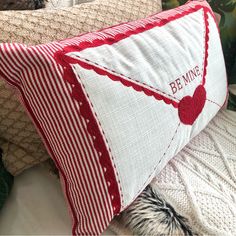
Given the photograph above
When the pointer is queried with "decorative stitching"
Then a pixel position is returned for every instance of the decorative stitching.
(169, 143)
(100, 143)
(129, 78)
(203, 43)
(95, 131)
(206, 47)
(154, 169)
(189, 108)
(127, 83)
(213, 102)
(109, 149)
(107, 36)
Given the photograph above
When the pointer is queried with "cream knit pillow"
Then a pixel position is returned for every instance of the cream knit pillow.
(20, 142)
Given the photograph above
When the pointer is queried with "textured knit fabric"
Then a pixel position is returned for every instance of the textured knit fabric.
(20, 141)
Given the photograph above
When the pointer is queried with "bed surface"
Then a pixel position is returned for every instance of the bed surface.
(36, 205)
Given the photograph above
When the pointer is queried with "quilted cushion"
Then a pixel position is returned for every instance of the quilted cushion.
(18, 138)
(102, 102)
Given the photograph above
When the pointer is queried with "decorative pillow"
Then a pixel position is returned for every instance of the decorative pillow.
(18, 138)
(114, 106)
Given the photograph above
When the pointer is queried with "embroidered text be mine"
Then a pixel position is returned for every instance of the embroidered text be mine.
(185, 79)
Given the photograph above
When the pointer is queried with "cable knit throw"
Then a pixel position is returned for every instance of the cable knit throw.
(199, 184)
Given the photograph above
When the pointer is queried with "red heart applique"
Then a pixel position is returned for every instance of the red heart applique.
(190, 107)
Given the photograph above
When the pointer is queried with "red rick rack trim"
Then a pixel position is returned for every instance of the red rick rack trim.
(93, 126)
(126, 81)
(206, 48)
(100, 146)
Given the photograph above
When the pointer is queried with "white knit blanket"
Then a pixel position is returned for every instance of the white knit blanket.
(200, 182)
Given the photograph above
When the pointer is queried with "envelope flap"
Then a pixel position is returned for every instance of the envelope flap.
(168, 58)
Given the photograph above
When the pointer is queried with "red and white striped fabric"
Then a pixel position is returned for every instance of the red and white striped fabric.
(114, 106)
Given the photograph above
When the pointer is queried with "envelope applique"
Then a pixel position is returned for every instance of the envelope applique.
(102, 67)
